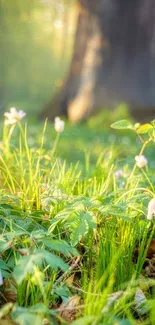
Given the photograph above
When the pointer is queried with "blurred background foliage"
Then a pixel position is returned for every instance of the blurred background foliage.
(36, 38)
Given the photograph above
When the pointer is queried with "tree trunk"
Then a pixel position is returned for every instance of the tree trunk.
(113, 59)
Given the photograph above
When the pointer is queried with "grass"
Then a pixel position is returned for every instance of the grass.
(69, 227)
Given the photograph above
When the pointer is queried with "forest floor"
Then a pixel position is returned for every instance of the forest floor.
(74, 233)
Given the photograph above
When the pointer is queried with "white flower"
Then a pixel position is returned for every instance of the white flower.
(151, 209)
(141, 161)
(13, 116)
(59, 124)
(118, 173)
(1, 278)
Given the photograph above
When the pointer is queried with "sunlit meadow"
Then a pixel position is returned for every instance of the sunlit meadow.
(76, 221)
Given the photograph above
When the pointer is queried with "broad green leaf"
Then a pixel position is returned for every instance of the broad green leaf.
(59, 246)
(26, 264)
(90, 219)
(4, 245)
(62, 291)
(26, 318)
(53, 260)
(123, 124)
(61, 217)
(80, 230)
(38, 234)
(14, 234)
(79, 224)
(80, 203)
(7, 238)
(116, 212)
(3, 265)
(144, 128)
(32, 315)
(41, 309)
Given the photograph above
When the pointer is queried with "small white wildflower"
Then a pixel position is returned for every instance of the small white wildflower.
(13, 116)
(1, 278)
(118, 173)
(151, 209)
(59, 124)
(141, 161)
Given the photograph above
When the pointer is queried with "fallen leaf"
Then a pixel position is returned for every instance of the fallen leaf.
(9, 291)
(140, 302)
(69, 310)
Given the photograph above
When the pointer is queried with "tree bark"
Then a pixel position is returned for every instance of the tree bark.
(113, 59)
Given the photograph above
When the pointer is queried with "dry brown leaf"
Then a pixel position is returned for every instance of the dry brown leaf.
(140, 302)
(70, 280)
(45, 217)
(9, 291)
(149, 269)
(69, 310)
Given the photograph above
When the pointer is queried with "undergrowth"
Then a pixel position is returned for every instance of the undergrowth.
(69, 224)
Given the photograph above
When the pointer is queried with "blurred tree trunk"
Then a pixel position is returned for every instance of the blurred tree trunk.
(113, 59)
(2, 63)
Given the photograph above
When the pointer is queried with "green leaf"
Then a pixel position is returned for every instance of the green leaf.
(80, 230)
(61, 217)
(14, 234)
(4, 245)
(40, 308)
(144, 128)
(26, 264)
(62, 291)
(79, 225)
(38, 234)
(136, 126)
(123, 124)
(54, 261)
(116, 212)
(153, 123)
(7, 239)
(33, 315)
(152, 134)
(59, 246)
(3, 265)
(26, 318)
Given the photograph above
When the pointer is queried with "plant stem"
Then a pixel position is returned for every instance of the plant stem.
(55, 144)
(135, 165)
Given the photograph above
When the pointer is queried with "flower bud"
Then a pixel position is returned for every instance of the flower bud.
(59, 124)
(118, 173)
(141, 161)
